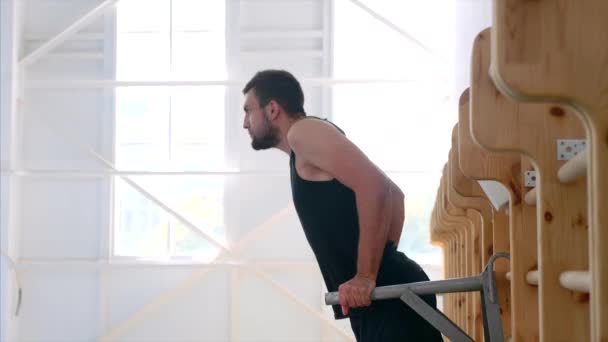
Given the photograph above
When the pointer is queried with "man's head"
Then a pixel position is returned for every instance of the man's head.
(271, 96)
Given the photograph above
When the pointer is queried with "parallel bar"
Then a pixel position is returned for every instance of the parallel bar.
(447, 286)
(419, 288)
(574, 168)
(484, 283)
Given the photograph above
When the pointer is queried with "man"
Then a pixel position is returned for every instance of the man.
(351, 212)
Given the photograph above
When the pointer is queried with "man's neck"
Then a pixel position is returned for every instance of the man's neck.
(283, 145)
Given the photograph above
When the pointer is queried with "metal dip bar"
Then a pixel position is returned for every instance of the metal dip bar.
(485, 283)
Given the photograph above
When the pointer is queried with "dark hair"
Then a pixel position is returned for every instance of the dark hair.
(280, 86)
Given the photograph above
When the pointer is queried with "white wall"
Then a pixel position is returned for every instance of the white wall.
(63, 219)
(9, 186)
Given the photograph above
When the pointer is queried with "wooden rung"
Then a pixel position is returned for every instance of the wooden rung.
(576, 280)
(574, 169)
(530, 197)
(508, 276)
(532, 278)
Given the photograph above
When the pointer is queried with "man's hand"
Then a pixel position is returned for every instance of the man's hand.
(356, 292)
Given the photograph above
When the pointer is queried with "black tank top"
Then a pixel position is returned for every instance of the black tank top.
(328, 213)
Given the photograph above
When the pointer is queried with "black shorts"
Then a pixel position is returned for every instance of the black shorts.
(393, 321)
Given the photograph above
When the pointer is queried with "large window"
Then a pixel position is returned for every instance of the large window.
(174, 128)
(403, 125)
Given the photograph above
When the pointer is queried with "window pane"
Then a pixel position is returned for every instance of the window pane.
(143, 16)
(399, 126)
(199, 55)
(160, 128)
(393, 56)
(142, 56)
(197, 157)
(141, 226)
(430, 22)
(200, 200)
(197, 15)
(197, 115)
(142, 157)
(188, 243)
(419, 202)
(142, 115)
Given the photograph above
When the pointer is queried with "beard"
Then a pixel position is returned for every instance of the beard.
(268, 138)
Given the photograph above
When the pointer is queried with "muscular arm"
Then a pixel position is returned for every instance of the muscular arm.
(323, 146)
(374, 208)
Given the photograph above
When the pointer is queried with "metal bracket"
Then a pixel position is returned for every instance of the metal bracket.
(435, 317)
(568, 148)
(530, 179)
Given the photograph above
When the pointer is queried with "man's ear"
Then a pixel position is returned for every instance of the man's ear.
(274, 109)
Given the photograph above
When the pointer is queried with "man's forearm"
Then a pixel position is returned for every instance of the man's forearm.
(374, 226)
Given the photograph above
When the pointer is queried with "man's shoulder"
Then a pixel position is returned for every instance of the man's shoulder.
(302, 129)
(309, 139)
(310, 126)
